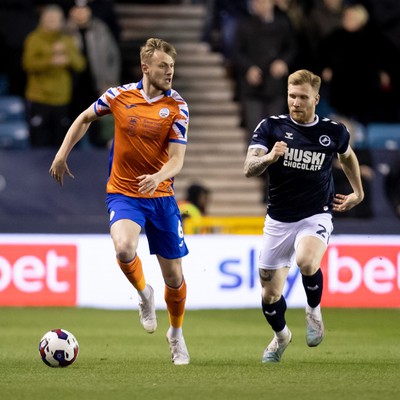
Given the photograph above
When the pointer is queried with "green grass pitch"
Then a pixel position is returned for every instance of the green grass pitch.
(358, 359)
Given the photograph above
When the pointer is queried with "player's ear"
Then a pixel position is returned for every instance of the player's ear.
(145, 68)
(317, 97)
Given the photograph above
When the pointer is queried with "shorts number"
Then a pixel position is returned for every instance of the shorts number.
(322, 231)
(180, 229)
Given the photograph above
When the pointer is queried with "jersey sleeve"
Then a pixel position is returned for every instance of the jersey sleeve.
(259, 138)
(103, 104)
(344, 139)
(180, 125)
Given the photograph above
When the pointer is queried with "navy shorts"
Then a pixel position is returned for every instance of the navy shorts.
(159, 217)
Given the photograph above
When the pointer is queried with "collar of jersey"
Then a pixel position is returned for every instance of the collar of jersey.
(140, 87)
(315, 122)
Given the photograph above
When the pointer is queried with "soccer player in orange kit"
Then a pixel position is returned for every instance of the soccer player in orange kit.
(151, 122)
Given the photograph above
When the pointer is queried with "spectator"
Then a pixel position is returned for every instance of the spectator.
(195, 204)
(17, 19)
(105, 11)
(49, 57)
(364, 156)
(324, 18)
(386, 15)
(103, 64)
(297, 11)
(354, 61)
(221, 22)
(265, 48)
(102, 9)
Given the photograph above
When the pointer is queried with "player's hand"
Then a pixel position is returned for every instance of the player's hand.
(277, 151)
(147, 184)
(58, 169)
(342, 202)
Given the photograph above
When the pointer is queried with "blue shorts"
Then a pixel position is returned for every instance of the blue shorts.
(160, 218)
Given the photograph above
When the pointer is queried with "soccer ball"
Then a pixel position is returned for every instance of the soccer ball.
(58, 348)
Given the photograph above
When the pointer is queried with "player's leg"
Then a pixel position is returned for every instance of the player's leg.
(166, 240)
(274, 308)
(125, 236)
(126, 219)
(276, 252)
(309, 253)
(175, 299)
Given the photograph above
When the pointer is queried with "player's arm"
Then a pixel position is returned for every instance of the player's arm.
(351, 169)
(258, 160)
(149, 183)
(75, 133)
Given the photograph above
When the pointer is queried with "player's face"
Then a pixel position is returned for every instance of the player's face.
(302, 100)
(160, 71)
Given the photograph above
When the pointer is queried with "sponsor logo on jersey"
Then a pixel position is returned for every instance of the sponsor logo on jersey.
(289, 135)
(303, 159)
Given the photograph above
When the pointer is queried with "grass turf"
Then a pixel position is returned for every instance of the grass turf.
(358, 359)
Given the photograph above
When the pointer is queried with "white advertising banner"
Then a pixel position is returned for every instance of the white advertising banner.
(221, 272)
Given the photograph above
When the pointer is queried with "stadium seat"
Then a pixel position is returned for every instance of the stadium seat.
(3, 85)
(14, 135)
(384, 136)
(12, 108)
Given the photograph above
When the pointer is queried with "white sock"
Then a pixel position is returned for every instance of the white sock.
(175, 332)
(313, 310)
(145, 293)
(283, 333)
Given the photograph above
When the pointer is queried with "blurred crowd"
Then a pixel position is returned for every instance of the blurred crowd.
(354, 45)
(61, 55)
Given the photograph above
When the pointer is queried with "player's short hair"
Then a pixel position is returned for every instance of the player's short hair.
(303, 76)
(153, 44)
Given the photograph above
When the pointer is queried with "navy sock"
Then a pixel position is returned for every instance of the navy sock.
(313, 286)
(275, 314)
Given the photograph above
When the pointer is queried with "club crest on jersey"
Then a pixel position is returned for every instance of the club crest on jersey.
(325, 140)
(163, 113)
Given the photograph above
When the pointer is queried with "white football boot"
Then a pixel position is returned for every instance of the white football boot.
(147, 312)
(275, 349)
(315, 327)
(179, 351)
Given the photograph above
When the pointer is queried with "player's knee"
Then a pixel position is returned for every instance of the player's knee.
(271, 296)
(125, 251)
(173, 277)
(307, 267)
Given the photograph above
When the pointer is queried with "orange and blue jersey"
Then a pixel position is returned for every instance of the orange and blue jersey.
(143, 128)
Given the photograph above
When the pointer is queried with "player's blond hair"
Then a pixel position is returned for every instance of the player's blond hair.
(303, 76)
(153, 44)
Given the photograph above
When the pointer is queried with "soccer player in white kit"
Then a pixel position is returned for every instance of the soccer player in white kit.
(297, 150)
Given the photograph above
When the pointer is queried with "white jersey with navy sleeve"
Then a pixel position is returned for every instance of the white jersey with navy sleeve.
(301, 182)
